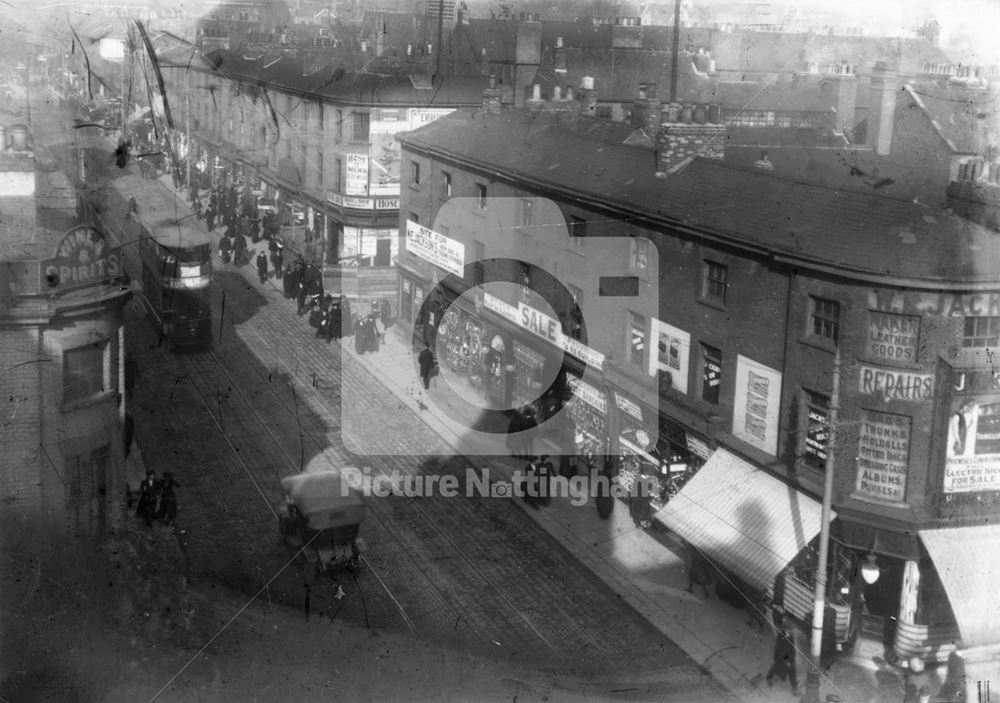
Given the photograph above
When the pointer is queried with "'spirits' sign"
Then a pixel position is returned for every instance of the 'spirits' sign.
(83, 258)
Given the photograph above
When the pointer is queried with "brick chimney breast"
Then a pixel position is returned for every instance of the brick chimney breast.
(679, 142)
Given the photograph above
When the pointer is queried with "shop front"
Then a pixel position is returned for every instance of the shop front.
(588, 410)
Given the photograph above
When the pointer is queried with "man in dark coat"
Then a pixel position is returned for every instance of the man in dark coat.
(240, 249)
(784, 661)
(168, 499)
(149, 494)
(545, 472)
(426, 361)
(300, 293)
(210, 217)
(530, 485)
(262, 266)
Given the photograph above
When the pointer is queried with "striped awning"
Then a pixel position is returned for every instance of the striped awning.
(967, 560)
(742, 518)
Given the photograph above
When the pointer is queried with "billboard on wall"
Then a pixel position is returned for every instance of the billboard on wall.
(435, 248)
(356, 182)
(673, 353)
(386, 155)
(756, 405)
(972, 460)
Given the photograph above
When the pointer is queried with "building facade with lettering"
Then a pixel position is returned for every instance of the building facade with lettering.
(62, 298)
(714, 302)
(317, 145)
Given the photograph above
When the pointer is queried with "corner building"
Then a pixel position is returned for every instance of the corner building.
(720, 360)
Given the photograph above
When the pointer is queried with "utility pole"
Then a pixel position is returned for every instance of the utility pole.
(811, 694)
(189, 157)
(675, 51)
(440, 39)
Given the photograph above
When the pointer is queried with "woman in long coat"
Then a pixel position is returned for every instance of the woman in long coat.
(168, 499)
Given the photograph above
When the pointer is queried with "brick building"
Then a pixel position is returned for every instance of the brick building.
(61, 321)
(694, 312)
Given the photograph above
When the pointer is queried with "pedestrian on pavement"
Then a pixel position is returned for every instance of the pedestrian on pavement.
(529, 485)
(513, 430)
(210, 216)
(528, 430)
(199, 211)
(426, 361)
(277, 256)
(640, 502)
(603, 493)
(346, 317)
(699, 570)
(194, 190)
(545, 471)
(226, 249)
(300, 295)
(289, 284)
(916, 680)
(240, 249)
(149, 493)
(784, 661)
(262, 266)
(168, 499)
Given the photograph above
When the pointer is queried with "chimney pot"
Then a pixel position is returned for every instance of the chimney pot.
(569, 92)
(557, 93)
(559, 42)
(587, 82)
(536, 92)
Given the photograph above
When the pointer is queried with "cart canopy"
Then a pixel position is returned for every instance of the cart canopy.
(325, 499)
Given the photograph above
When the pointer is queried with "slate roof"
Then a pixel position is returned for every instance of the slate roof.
(968, 119)
(866, 235)
(356, 88)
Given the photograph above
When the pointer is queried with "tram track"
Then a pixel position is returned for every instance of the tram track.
(460, 617)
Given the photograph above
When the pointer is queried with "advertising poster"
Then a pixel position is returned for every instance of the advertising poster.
(385, 155)
(673, 353)
(973, 451)
(883, 457)
(756, 406)
(357, 175)
(435, 248)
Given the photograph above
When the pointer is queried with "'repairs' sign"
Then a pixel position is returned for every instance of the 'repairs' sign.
(83, 258)
(890, 384)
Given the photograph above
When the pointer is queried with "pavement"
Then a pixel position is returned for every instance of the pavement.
(646, 567)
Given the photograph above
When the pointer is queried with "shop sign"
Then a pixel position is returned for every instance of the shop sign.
(893, 337)
(83, 258)
(500, 307)
(883, 457)
(435, 248)
(755, 411)
(418, 118)
(628, 407)
(335, 198)
(940, 304)
(387, 204)
(895, 385)
(587, 393)
(972, 463)
(357, 175)
(673, 353)
(357, 203)
(698, 447)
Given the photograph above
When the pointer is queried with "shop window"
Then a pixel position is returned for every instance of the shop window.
(361, 124)
(715, 282)
(415, 172)
(83, 372)
(981, 332)
(414, 218)
(817, 425)
(86, 477)
(825, 318)
(338, 127)
(711, 373)
(338, 175)
(319, 170)
(321, 115)
(636, 339)
(481, 196)
(446, 184)
(638, 253)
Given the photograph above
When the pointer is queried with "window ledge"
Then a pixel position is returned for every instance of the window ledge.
(90, 400)
(712, 303)
(820, 343)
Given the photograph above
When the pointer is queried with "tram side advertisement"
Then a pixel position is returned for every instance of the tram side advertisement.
(972, 462)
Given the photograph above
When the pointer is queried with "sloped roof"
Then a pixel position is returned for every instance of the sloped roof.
(968, 119)
(855, 233)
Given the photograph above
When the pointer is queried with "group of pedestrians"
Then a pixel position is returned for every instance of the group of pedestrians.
(157, 499)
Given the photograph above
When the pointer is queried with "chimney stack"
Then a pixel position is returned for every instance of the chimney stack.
(679, 142)
(646, 109)
(588, 97)
(885, 83)
(845, 96)
(535, 102)
(559, 59)
(492, 97)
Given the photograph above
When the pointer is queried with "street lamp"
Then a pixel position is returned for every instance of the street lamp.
(869, 569)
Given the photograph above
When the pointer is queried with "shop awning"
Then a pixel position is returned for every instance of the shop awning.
(967, 560)
(742, 518)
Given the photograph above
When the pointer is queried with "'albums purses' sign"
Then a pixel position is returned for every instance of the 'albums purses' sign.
(883, 457)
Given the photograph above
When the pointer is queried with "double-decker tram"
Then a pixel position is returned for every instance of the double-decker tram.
(163, 252)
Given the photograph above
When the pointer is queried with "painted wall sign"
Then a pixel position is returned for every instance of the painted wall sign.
(941, 304)
(893, 337)
(972, 462)
(883, 457)
(83, 258)
(890, 384)
(756, 406)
